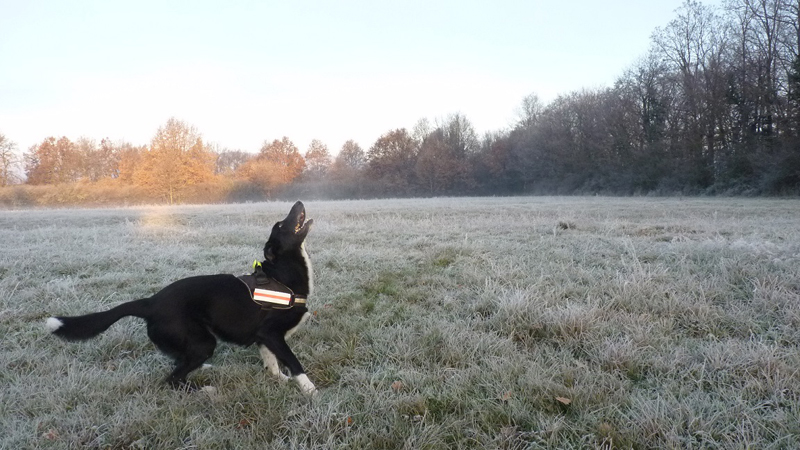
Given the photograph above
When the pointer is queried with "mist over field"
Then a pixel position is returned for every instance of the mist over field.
(525, 322)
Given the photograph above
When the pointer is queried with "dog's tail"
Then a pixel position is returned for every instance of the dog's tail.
(78, 328)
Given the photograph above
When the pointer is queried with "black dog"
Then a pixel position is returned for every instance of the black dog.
(185, 318)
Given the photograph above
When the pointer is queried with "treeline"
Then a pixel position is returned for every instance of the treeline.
(713, 108)
(177, 167)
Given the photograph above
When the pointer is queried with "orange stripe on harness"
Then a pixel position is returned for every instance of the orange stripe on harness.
(279, 298)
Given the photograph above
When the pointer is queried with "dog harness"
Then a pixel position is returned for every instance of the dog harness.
(268, 292)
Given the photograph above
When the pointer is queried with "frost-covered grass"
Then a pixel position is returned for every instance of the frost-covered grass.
(477, 323)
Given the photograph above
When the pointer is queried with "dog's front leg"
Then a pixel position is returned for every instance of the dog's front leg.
(305, 384)
(276, 345)
(271, 362)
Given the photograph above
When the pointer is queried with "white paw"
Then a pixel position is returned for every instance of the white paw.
(305, 384)
(211, 391)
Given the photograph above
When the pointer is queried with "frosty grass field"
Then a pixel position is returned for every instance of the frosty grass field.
(441, 323)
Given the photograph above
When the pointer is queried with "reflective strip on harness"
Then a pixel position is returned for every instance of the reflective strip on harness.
(278, 298)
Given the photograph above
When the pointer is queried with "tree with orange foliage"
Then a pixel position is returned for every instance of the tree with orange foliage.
(53, 161)
(130, 157)
(175, 160)
(277, 164)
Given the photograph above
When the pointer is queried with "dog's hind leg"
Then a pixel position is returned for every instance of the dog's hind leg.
(197, 352)
(190, 347)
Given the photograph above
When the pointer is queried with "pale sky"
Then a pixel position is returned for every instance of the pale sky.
(243, 72)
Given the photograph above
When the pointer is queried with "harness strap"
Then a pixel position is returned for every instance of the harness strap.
(269, 293)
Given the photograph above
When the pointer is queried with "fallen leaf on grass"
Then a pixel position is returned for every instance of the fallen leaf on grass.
(563, 400)
(50, 435)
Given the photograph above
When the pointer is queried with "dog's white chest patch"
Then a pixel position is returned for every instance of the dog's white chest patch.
(296, 327)
(308, 267)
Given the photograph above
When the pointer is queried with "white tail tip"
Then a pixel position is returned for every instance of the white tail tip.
(53, 324)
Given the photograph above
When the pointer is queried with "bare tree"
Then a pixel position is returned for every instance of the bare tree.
(692, 45)
(421, 130)
(346, 173)
(9, 161)
(442, 165)
(228, 161)
(460, 135)
(437, 168)
(96, 162)
(529, 111)
(391, 161)
(318, 160)
(351, 155)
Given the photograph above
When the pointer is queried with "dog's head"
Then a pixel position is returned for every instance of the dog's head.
(288, 235)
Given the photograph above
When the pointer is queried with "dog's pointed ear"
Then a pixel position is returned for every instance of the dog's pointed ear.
(268, 253)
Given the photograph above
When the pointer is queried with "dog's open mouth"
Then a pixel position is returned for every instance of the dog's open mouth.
(301, 223)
